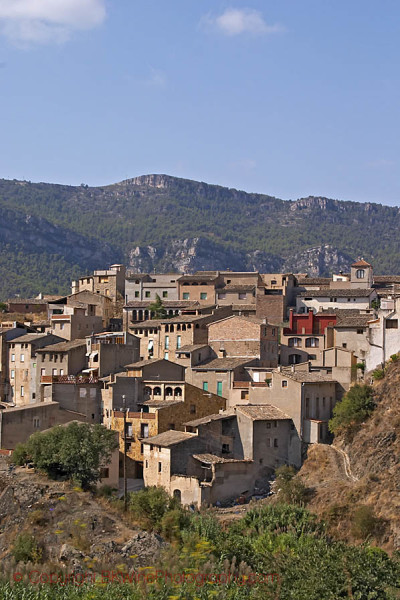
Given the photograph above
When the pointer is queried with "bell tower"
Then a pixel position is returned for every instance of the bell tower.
(361, 275)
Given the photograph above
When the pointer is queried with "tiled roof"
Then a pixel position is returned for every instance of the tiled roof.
(314, 281)
(236, 287)
(169, 438)
(345, 321)
(386, 279)
(27, 301)
(227, 414)
(29, 338)
(161, 403)
(263, 412)
(62, 346)
(165, 303)
(191, 348)
(339, 293)
(199, 277)
(211, 459)
(143, 363)
(222, 364)
(361, 263)
(307, 376)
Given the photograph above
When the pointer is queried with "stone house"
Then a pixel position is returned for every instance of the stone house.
(95, 305)
(344, 298)
(137, 311)
(22, 366)
(383, 334)
(274, 295)
(166, 405)
(200, 287)
(109, 282)
(145, 286)
(306, 337)
(74, 323)
(109, 352)
(25, 306)
(7, 334)
(221, 456)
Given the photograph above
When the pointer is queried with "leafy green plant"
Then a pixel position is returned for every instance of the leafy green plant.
(354, 408)
(20, 455)
(26, 549)
(394, 357)
(378, 374)
(148, 507)
(291, 489)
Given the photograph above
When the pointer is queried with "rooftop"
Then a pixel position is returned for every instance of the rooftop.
(263, 412)
(339, 293)
(27, 301)
(361, 263)
(63, 346)
(190, 348)
(211, 459)
(29, 338)
(165, 303)
(162, 403)
(227, 414)
(169, 438)
(307, 376)
(314, 281)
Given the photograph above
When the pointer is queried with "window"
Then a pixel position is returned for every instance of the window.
(54, 372)
(273, 332)
(225, 449)
(312, 342)
(294, 342)
(203, 296)
(141, 448)
(104, 473)
(34, 396)
(36, 422)
(229, 281)
(219, 388)
(22, 358)
(268, 425)
(275, 442)
(13, 373)
(244, 394)
(166, 355)
(311, 357)
(147, 294)
(344, 345)
(22, 391)
(360, 331)
(192, 409)
(144, 430)
(242, 296)
(275, 423)
(159, 467)
(165, 294)
(186, 295)
(221, 296)
(12, 357)
(360, 273)
(268, 442)
(136, 294)
(171, 426)
(147, 464)
(205, 386)
(284, 383)
(392, 324)
(334, 299)
(166, 342)
(178, 341)
(62, 373)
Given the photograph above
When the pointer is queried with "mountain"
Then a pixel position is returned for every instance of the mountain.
(50, 234)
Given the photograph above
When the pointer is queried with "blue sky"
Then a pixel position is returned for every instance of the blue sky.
(287, 97)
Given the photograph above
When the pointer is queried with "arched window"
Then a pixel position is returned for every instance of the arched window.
(157, 391)
(294, 342)
(178, 495)
(178, 392)
(312, 342)
(147, 391)
(168, 391)
(360, 274)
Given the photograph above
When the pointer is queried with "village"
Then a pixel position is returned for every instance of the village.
(211, 381)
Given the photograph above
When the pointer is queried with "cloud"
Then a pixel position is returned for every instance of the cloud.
(235, 21)
(44, 21)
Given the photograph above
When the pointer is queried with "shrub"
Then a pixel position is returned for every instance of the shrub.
(20, 455)
(364, 522)
(378, 374)
(354, 408)
(394, 357)
(26, 549)
(361, 366)
(173, 523)
(291, 489)
(150, 505)
(105, 491)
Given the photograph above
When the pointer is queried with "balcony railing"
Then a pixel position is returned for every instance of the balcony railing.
(72, 379)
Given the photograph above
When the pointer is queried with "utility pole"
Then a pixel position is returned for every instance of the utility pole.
(124, 409)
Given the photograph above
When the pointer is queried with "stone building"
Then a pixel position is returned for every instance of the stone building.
(7, 333)
(74, 323)
(109, 352)
(146, 286)
(109, 282)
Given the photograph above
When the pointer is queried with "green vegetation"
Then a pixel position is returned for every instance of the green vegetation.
(240, 559)
(149, 507)
(291, 489)
(74, 452)
(26, 549)
(157, 309)
(354, 408)
(365, 522)
(378, 374)
(99, 226)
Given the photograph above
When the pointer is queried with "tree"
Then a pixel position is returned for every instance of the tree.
(354, 408)
(291, 489)
(157, 309)
(76, 451)
(3, 307)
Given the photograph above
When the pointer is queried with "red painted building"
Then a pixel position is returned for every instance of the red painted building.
(309, 323)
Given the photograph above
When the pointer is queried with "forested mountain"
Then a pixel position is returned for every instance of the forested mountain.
(50, 233)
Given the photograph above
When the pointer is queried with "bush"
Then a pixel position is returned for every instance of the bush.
(105, 491)
(354, 408)
(291, 489)
(150, 505)
(20, 455)
(378, 374)
(394, 357)
(26, 549)
(364, 522)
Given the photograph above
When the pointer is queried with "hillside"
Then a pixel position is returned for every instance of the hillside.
(369, 477)
(51, 233)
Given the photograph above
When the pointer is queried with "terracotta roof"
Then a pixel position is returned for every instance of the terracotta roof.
(222, 364)
(339, 293)
(63, 346)
(386, 278)
(263, 412)
(345, 321)
(211, 459)
(169, 438)
(361, 263)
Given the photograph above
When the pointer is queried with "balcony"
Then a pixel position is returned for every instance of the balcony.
(72, 379)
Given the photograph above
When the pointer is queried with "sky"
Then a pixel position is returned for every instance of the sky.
(287, 97)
